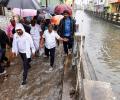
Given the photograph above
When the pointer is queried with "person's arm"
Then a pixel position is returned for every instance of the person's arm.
(8, 31)
(42, 41)
(5, 37)
(14, 46)
(74, 25)
(32, 45)
(59, 29)
(60, 38)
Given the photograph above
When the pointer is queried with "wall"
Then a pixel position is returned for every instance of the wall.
(113, 5)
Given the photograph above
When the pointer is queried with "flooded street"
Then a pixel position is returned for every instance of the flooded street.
(103, 47)
(41, 84)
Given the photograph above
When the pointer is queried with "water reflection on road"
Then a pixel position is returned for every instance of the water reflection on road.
(103, 46)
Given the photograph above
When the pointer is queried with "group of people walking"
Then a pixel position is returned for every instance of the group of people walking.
(28, 40)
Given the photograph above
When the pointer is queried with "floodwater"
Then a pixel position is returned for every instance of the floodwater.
(103, 47)
(41, 83)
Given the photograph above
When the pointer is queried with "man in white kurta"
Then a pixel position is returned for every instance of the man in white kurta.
(35, 33)
(23, 44)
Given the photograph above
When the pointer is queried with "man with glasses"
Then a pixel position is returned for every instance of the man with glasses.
(23, 44)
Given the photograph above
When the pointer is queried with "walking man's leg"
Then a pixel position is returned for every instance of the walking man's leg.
(4, 58)
(52, 56)
(25, 67)
(29, 60)
(70, 45)
(47, 52)
(65, 46)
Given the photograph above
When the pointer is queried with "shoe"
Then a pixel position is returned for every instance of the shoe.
(24, 83)
(65, 55)
(4, 72)
(29, 67)
(51, 69)
(8, 64)
(45, 56)
(69, 52)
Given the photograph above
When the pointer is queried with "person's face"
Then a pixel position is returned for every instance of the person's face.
(20, 32)
(33, 23)
(66, 15)
(50, 28)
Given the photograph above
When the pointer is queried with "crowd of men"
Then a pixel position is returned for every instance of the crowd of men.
(28, 39)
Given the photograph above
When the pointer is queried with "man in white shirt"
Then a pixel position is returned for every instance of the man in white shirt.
(50, 37)
(23, 44)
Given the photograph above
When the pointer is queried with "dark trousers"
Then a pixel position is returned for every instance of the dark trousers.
(52, 55)
(11, 41)
(26, 65)
(4, 58)
(68, 45)
(1, 67)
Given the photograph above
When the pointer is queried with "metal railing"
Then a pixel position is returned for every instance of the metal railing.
(85, 70)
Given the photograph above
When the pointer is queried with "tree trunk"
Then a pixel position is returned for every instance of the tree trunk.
(1, 10)
(46, 3)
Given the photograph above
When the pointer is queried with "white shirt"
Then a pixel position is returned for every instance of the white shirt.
(50, 39)
(21, 41)
(23, 44)
(35, 31)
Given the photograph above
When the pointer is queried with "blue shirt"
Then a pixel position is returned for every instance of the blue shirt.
(67, 27)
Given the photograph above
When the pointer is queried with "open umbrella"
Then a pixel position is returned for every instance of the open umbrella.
(59, 9)
(23, 4)
(24, 12)
(55, 20)
(47, 10)
(23, 7)
(4, 2)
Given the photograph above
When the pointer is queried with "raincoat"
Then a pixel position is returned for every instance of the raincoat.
(28, 43)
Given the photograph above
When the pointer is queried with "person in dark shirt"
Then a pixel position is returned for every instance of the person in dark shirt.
(4, 40)
(66, 29)
(26, 27)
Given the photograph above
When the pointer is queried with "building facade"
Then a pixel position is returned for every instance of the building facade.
(114, 6)
(99, 5)
(50, 3)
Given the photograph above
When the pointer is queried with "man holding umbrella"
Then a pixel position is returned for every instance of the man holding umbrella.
(66, 29)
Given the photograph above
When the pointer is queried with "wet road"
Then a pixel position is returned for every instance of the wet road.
(41, 84)
(103, 46)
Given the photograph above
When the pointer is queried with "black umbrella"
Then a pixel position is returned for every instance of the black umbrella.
(23, 4)
(4, 2)
(47, 10)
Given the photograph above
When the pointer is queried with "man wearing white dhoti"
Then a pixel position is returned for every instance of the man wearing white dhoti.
(35, 33)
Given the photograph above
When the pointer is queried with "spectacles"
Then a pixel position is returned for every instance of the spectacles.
(18, 31)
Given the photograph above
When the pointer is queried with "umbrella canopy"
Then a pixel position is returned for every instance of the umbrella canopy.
(55, 20)
(46, 10)
(60, 8)
(4, 2)
(23, 4)
(24, 12)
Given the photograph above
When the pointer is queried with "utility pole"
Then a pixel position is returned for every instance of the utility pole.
(73, 1)
(46, 3)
